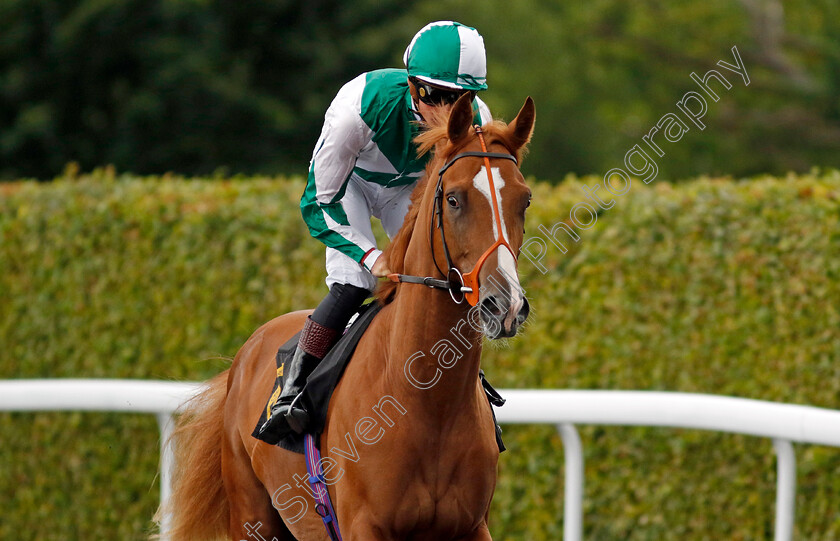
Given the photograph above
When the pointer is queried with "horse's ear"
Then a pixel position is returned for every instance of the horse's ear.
(460, 119)
(522, 126)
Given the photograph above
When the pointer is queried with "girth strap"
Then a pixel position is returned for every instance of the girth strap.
(323, 506)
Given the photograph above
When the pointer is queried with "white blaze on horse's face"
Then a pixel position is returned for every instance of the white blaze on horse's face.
(506, 262)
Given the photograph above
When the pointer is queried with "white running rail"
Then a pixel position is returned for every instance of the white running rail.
(783, 423)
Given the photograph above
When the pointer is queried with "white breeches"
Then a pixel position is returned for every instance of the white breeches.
(362, 200)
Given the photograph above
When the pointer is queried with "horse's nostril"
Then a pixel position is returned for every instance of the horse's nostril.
(491, 306)
(524, 311)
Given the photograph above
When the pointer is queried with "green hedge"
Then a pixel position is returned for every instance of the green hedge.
(715, 286)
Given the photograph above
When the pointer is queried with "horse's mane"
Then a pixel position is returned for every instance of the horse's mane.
(434, 139)
(494, 132)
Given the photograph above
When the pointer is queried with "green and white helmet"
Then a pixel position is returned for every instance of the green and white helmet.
(448, 54)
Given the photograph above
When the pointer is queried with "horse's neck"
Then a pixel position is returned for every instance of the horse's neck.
(433, 352)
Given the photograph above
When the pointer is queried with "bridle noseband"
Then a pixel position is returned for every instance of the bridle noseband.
(461, 286)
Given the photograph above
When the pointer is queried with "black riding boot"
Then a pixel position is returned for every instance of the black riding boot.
(286, 414)
(320, 332)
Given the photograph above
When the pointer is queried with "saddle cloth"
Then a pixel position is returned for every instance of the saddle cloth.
(322, 381)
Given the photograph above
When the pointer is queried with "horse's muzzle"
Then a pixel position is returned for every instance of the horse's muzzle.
(500, 318)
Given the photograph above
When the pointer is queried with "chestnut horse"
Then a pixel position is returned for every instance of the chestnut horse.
(409, 446)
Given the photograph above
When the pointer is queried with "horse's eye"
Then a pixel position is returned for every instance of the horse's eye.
(453, 202)
(528, 204)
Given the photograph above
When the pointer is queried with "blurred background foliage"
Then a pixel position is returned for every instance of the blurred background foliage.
(713, 285)
(710, 285)
(203, 86)
(189, 86)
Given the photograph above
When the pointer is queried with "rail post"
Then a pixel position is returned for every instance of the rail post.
(573, 491)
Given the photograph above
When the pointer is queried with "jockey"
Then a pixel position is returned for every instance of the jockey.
(365, 164)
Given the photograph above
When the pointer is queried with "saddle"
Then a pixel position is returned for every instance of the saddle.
(322, 381)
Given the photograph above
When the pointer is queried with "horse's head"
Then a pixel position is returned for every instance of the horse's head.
(472, 212)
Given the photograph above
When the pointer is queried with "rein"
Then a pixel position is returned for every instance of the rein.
(461, 286)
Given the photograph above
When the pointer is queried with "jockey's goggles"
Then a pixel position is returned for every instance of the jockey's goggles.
(435, 95)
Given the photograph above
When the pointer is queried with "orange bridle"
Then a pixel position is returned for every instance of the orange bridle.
(461, 286)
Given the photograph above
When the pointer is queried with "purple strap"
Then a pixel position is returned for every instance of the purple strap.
(323, 506)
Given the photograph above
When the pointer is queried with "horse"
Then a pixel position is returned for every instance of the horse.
(409, 445)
